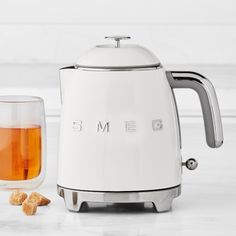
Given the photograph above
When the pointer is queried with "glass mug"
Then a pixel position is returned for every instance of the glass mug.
(22, 141)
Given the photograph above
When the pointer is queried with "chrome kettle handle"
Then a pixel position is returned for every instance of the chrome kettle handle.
(208, 100)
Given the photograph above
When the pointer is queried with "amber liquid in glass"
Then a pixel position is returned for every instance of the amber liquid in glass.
(20, 153)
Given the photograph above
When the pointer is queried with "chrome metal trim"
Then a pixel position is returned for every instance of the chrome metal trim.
(117, 38)
(161, 199)
(190, 164)
(134, 68)
(138, 68)
(208, 100)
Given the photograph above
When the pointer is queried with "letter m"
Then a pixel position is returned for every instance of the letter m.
(103, 128)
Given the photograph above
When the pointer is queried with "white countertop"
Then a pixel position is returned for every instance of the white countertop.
(207, 205)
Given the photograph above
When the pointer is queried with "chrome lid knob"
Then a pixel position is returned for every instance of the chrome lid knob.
(191, 164)
(117, 38)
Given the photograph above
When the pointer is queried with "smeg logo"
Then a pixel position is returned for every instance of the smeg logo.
(130, 126)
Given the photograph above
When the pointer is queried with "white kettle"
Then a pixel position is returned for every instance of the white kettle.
(120, 136)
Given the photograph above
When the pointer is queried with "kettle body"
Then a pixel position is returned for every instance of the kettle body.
(120, 136)
(119, 131)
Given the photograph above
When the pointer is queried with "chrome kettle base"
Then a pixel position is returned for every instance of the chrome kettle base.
(161, 199)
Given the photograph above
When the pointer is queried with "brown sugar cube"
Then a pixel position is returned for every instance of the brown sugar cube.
(39, 199)
(17, 197)
(29, 208)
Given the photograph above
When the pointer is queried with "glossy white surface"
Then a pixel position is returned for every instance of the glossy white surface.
(207, 205)
(119, 131)
(126, 55)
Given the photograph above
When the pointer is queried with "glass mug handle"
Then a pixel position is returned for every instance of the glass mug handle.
(208, 100)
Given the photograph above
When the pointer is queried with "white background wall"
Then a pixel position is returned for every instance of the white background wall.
(57, 31)
(39, 36)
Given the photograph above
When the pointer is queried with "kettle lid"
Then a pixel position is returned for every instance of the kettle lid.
(118, 55)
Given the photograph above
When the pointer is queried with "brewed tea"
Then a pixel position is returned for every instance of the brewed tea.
(20, 153)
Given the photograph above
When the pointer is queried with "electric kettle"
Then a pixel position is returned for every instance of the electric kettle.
(119, 134)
